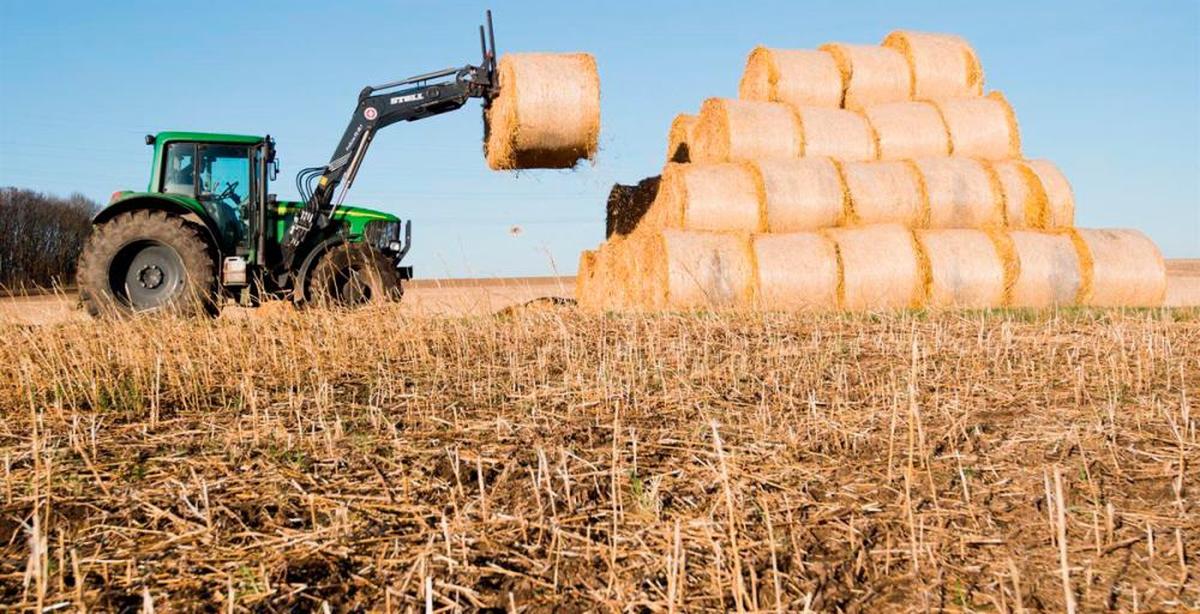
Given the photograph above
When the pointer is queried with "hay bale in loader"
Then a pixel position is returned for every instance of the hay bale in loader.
(547, 114)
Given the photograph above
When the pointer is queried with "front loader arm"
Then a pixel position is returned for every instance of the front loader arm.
(379, 106)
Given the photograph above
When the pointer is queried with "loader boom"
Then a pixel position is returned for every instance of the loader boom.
(380, 106)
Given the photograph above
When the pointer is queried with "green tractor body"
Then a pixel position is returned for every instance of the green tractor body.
(209, 193)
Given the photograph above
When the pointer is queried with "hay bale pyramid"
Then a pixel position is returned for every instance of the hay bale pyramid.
(859, 177)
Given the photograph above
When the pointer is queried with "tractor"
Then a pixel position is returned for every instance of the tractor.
(207, 230)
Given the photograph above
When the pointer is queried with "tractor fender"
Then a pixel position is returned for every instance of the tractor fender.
(159, 202)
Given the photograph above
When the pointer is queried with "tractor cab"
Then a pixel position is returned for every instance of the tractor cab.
(225, 175)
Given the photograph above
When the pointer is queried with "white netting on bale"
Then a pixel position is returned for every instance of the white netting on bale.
(738, 130)
(796, 271)
(905, 130)
(547, 114)
(872, 74)
(983, 127)
(884, 192)
(1127, 270)
(715, 197)
(836, 133)
(942, 65)
(962, 269)
(1050, 271)
(802, 194)
(796, 76)
(961, 193)
(880, 268)
(695, 270)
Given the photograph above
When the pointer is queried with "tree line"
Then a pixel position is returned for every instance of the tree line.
(41, 236)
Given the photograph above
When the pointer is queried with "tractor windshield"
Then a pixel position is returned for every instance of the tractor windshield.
(224, 187)
(216, 175)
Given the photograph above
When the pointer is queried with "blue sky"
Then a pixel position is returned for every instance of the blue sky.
(1109, 91)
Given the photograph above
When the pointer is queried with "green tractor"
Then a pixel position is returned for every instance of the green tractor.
(208, 230)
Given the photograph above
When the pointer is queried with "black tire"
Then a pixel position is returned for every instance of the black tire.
(146, 261)
(352, 275)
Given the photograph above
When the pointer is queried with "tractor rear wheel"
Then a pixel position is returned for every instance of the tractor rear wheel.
(146, 261)
(352, 275)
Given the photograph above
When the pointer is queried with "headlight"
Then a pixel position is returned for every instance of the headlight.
(383, 234)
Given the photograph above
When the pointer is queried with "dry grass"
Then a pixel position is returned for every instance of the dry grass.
(371, 461)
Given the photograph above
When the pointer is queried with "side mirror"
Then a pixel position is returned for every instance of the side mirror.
(274, 169)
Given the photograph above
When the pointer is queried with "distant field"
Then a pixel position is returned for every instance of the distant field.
(380, 461)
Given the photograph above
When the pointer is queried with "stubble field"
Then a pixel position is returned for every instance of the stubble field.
(379, 460)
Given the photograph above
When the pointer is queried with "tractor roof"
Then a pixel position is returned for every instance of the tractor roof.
(208, 137)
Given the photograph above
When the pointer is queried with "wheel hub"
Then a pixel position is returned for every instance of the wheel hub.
(150, 277)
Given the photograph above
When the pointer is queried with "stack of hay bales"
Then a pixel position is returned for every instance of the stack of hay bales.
(859, 177)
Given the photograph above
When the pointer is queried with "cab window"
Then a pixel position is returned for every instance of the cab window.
(178, 174)
(224, 184)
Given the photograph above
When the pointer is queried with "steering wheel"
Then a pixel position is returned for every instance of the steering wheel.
(229, 192)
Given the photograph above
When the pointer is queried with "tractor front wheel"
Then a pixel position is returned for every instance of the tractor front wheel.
(146, 261)
(352, 275)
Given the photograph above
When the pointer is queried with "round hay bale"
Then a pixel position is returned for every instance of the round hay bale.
(696, 270)
(942, 65)
(679, 139)
(800, 77)
(964, 269)
(547, 114)
(872, 74)
(961, 193)
(836, 133)
(981, 127)
(1050, 272)
(884, 192)
(1127, 269)
(1060, 198)
(905, 130)
(802, 194)
(1025, 201)
(713, 197)
(736, 130)
(796, 271)
(880, 268)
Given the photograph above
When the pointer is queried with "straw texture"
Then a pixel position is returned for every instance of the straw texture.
(836, 133)
(965, 270)
(694, 270)
(1050, 272)
(960, 193)
(880, 268)
(942, 65)
(707, 197)
(872, 74)
(1127, 269)
(981, 127)
(547, 114)
(800, 77)
(739, 130)
(679, 139)
(1025, 202)
(1060, 198)
(884, 192)
(905, 130)
(803, 194)
(796, 272)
